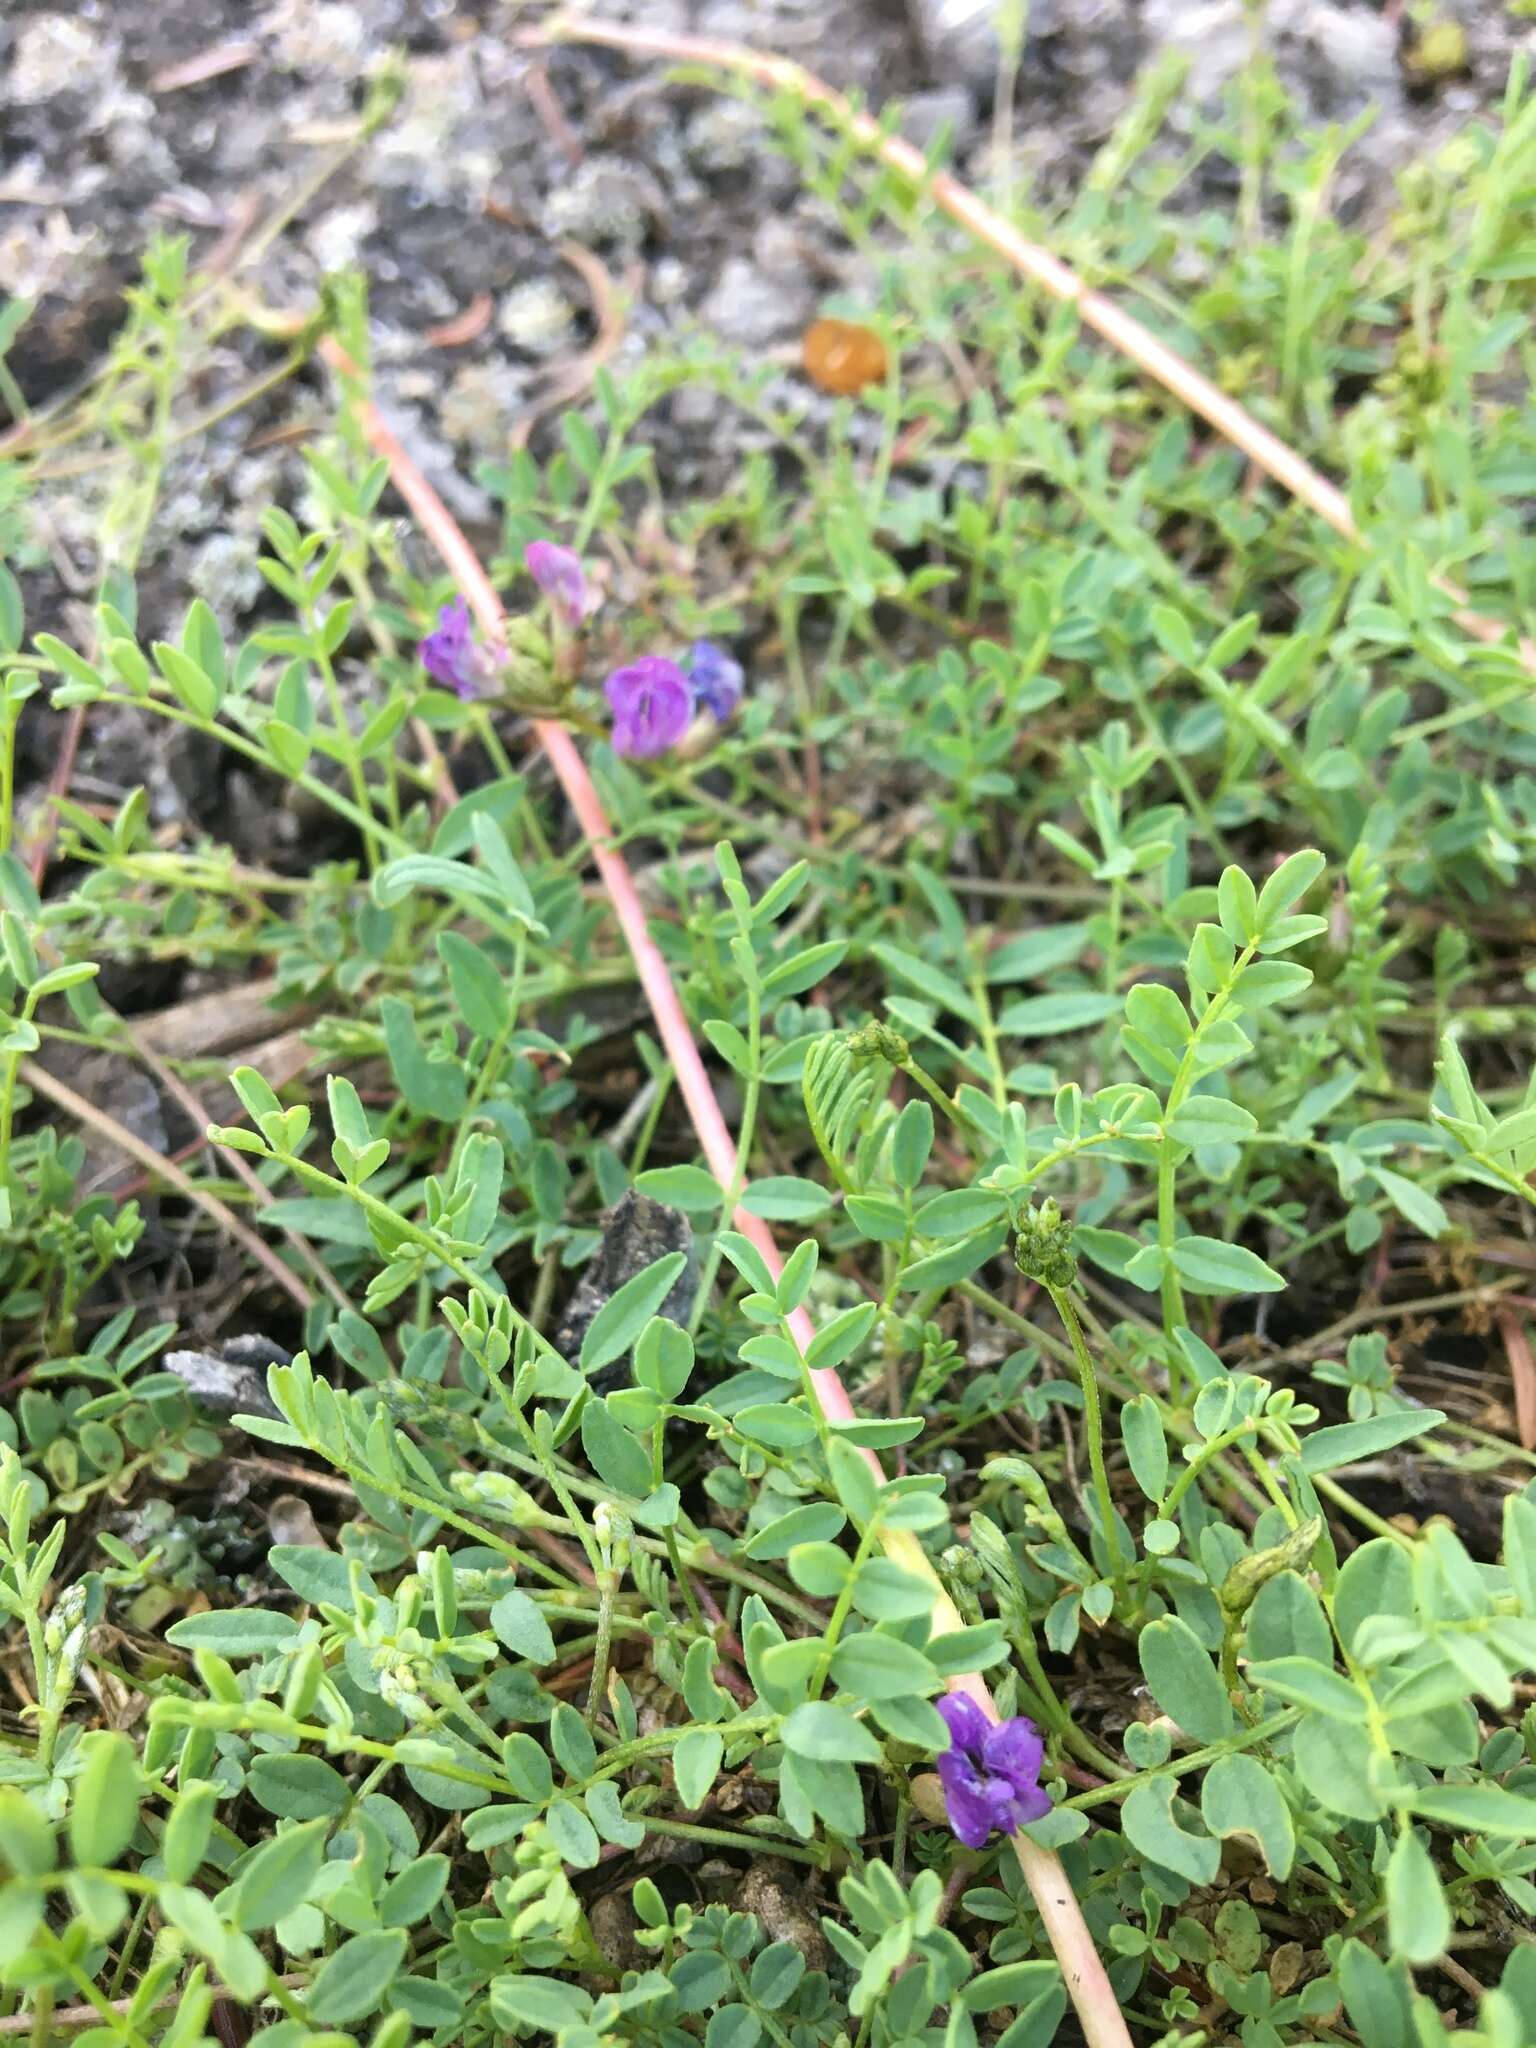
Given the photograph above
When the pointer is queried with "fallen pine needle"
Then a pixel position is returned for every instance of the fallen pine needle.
(216, 63)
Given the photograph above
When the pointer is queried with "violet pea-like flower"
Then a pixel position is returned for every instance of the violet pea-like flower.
(450, 654)
(558, 573)
(990, 1772)
(652, 704)
(716, 677)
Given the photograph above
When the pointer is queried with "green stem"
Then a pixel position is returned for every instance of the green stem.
(1197, 1759)
(346, 744)
(763, 2016)
(940, 1095)
(1168, 1153)
(608, 1581)
(8, 721)
(1052, 1711)
(725, 1838)
(844, 1600)
(8, 1107)
(1094, 1420)
(751, 1095)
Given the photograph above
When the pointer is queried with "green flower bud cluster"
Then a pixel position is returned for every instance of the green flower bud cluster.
(499, 1496)
(1019, 1473)
(963, 1579)
(1042, 1250)
(614, 1532)
(876, 1041)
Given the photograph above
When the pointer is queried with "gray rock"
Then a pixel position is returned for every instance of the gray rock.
(480, 403)
(928, 115)
(56, 53)
(636, 1234)
(231, 1379)
(608, 200)
(725, 135)
(963, 37)
(1335, 58)
(1214, 35)
(536, 317)
(614, 1925)
(1357, 48)
(751, 309)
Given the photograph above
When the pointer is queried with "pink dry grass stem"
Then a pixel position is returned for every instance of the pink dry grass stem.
(1098, 2009)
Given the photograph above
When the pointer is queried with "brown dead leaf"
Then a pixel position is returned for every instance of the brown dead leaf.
(1522, 1372)
(1285, 1967)
(842, 357)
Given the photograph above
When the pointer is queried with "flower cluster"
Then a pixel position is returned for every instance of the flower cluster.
(653, 700)
(990, 1772)
(1042, 1249)
(878, 1041)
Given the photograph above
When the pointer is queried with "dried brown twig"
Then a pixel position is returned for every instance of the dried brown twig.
(43, 1083)
(573, 380)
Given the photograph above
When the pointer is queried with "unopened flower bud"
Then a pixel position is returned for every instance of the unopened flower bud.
(1242, 1584)
(1042, 1250)
(877, 1041)
(613, 1530)
(558, 573)
(502, 1497)
(64, 1618)
(928, 1796)
(963, 1577)
(525, 636)
(962, 1565)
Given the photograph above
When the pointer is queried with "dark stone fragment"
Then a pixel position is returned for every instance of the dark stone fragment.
(231, 1377)
(637, 1232)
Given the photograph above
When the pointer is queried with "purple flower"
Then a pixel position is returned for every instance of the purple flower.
(716, 677)
(450, 654)
(990, 1773)
(557, 571)
(652, 703)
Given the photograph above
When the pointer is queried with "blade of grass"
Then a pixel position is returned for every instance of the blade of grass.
(1098, 2009)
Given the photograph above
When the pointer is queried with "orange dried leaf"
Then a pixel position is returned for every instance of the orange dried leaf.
(842, 357)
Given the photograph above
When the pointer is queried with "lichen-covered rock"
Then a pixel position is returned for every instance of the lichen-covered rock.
(537, 317)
